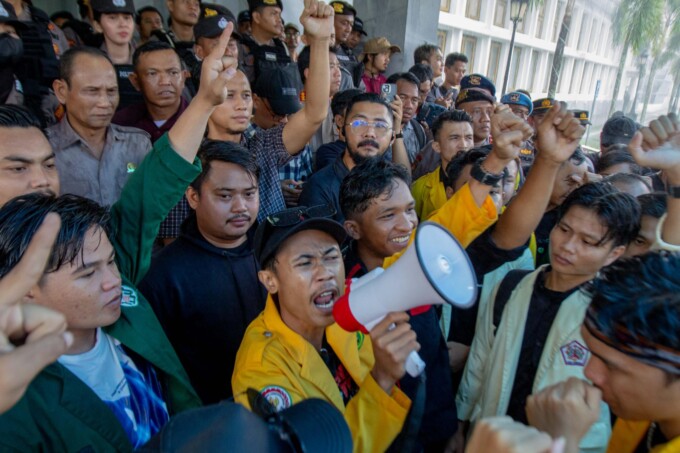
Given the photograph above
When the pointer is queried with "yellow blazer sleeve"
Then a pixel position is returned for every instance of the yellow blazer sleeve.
(461, 216)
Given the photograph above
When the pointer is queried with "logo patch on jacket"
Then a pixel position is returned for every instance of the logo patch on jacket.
(277, 397)
(574, 353)
(128, 297)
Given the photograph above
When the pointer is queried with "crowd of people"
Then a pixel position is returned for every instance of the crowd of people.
(184, 199)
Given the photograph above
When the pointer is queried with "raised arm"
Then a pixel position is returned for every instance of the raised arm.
(508, 132)
(186, 134)
(558, 137)
(658, 147)
(399, 153)
(317, 19)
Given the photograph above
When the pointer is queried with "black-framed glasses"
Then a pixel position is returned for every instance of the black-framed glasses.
(293, 216)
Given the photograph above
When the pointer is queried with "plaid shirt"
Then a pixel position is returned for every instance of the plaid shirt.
(300, 166)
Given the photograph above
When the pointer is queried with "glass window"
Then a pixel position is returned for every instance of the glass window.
(535, 57)
(473, 9)
(548, 70)
(585, 79)
(576, 71)
(513, 80)
(557, 24)
(494, 60)
(594, 39)
(500, 13)
(445, 6)
(540, 19)
(441, 40)
(468, 47)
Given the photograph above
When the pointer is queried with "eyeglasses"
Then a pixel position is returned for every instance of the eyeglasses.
(293, 216)
(360, 127)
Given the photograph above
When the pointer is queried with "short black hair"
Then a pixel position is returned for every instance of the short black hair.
(373, 98)
(422, 71)
(61, 15)
(303, 61)
(454, 116)
(616, 157)
(341, 100)
(17, 116)
(639, 297)
(453, 57)
(455, 168)
(653, 204)
(406, 76)
(577, 157)
(222, 151)
(68, 58)
(366, 182)
(618, 211)
(21, 217)
(423, 52)
(153, 46)
(628, 180)
(146, 9)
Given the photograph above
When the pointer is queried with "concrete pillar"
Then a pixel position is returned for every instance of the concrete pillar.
(405, 23)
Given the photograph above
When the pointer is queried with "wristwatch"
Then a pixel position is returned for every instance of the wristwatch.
(483, 176)
(673, 191)
(398, 135)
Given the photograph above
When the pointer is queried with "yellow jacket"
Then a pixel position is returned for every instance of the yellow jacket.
(288, 369)
(627, 435)
(429, 193)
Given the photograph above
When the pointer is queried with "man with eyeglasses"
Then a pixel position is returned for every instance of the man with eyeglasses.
(294, 350)
(369, 129)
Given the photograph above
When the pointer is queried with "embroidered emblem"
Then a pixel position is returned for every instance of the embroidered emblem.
(583, 116)
(574, 353)
(131, 167)
(209, 12)
(119, 3)
(526, 152)
(360, 340)
(269, 2)
(475, 80)
(338, 8)
(128, 297)
(277, 397)
(546, 103)
(222, 23)
(514, 97)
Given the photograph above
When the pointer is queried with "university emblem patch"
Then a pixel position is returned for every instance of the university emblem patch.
(574, 353)
(119, 3)
(222, 23)
(131, 167)
(277, 397)
(128, 297)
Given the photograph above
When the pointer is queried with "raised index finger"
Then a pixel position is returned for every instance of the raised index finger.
(30, 268)
(218, 51)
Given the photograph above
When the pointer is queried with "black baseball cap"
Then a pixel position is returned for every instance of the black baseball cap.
(359, 26)
(9, 17)
(280, 89)
(472, 95)
(244, 16)
(213, 21)
(343, 9)
(113, 6)
(619, 129)
(252, 4)
(276, 228)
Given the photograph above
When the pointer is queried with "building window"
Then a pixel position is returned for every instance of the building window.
(582, 34)
(540, 19)
(585, 79)
(441, 40)
(535, 56)
(578, 66)
(445, 6)
(557, 24)
(500, 13)
(473, 9)
(494, 60)
(468, 47)
(514, 68)
(594, 31)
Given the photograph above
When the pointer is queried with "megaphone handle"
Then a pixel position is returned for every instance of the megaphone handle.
(414, 364)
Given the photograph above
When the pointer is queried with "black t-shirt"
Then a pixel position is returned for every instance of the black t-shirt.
(348, 388)
(543, 309)
(545, 226)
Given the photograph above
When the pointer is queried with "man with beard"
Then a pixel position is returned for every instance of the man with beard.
(214, 248)
(369, 129)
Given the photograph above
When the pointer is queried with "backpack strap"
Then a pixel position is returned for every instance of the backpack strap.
(420, 133)
(506, 287)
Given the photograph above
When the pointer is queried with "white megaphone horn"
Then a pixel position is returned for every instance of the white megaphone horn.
(434, 270)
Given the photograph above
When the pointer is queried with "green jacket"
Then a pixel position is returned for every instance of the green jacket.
(59, 412)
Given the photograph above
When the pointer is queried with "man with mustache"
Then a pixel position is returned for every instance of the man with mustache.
(215, 249)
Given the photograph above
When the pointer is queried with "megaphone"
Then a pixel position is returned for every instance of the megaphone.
(434, 270)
